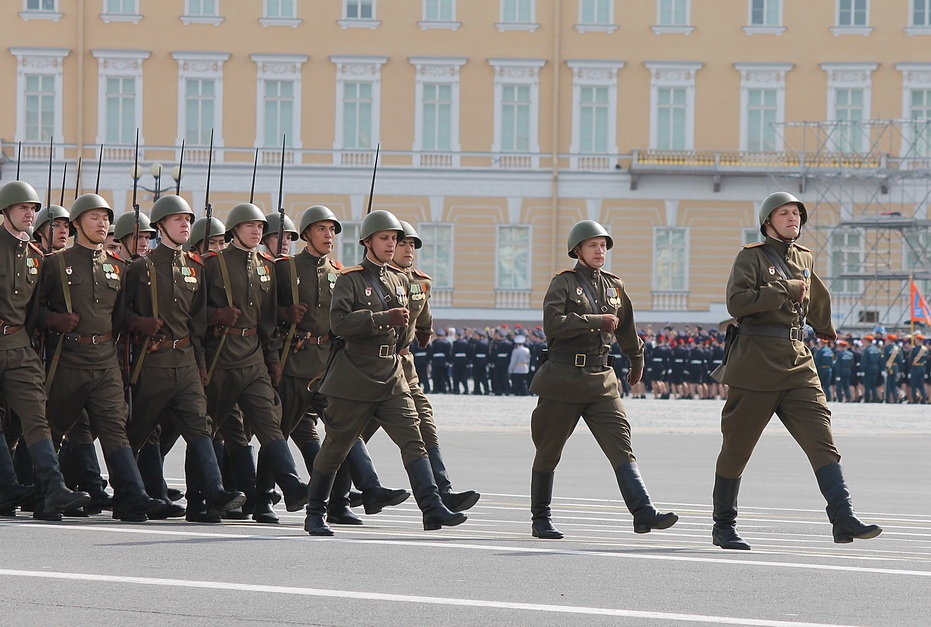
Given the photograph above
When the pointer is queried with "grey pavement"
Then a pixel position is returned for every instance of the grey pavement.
(490, 571)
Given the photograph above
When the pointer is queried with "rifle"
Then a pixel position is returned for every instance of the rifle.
(99, 163)
(180, 170)
(277, 253)
(255, 163)
(291, 265)
(64, 175)
(19, 157)
(208, 209)
(48, 194)
(135, 201)
(77, 179)
(374, 171)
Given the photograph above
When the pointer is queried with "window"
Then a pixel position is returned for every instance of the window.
(671, 259)
(765, 12)
(120, 110)
(921, 13)
(200, 99)
(357, 115)
(205, 8)
(847, 255)
(437, 116)
(439, 10)
(39, 101)
(359, 9)
(671, 110)
(762, 114)
(40, 10)
(594, 112)
(851, 12)
(435, 258)
(199, 110)
(762, 105)
(849, 113)
(516, 111)
(120, 98)
(350, 253)
(517, 11)
(673, 13)
(278, 111)
(41, 5)
(672, 103)
(750, 235)
(513, 257)
(280, 8)
(920, 114)
(595, 11)
(515, 118)
(121, 7)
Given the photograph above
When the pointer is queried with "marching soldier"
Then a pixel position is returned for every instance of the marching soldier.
(500, 354)
(270, 241)
(80, 294)
(166, 312)
(461, 352)
(441, 353)
(871, 360)
(479, 350)
(824, 363)
(123, 231)
(843, 371)
(917, 360)
(242, 359)
(110, 245)
(771, 292)
(50, 231)
(21, 373)
(893, 363)
(365, 378)
(201, 241)
(584, 310)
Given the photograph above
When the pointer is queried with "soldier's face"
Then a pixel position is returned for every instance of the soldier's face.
(141, 247)
(216, 243)
(176, 228)
(112, 246)
(250, 233)
(320, 236)
(382, 245)
(94, 225)
(594, 251)
(58, 233)
(21, 216)
(786, 221)
(276, 248)
(404, 253)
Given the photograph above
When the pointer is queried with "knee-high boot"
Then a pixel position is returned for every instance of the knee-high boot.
(455, 501)
(638, 502)
(375, 497)
(541, 494)
(839, 509)
(435, 514)
(724, 502)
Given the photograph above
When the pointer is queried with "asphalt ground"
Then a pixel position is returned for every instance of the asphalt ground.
(491, 571)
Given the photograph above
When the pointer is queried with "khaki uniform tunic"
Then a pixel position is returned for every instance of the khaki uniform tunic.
(567, 392)
(360, 383)
(770, 375)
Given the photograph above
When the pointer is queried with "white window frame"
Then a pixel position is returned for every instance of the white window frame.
(518, 72)
(764, 29)
(594, 27)
(837, 29)
(108, 17)
(449, 252)
(849, 76)
(359, 22)
(347, 243)
(201, 65)
(531, 25)
(119, 64)
(279, 67)
(687, 256)
(762, 76)
(356, 69)
(915, 76)
(213, 20)
(53, 15)
(529, 229)
(673, 74)
(918, 29)
(435, 70)
(674, 29)
(858, 284)
(593, 73)
(426, 24)
(267, 21)
(48, 62)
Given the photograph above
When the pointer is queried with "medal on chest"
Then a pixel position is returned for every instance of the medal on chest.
(807, 274)
(32, 265)
(401, 294)
(110, 271)
(331, 278)
(417, 292)
(189, 274)
(263, 272)
(614, 297)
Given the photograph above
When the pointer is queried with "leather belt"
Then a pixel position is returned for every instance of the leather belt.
(785, 333)
(159, 342)
(7, 329)
(376, 350)
(77, 338)
(310, 338)
(238, 331)
(580, 360)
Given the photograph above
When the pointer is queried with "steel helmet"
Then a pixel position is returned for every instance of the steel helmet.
(776, 200)
(411, 232)
(379, 220)
(48, 214)
(16, 192)
(273, 219)
(199, 231)
(126, 225)
(244, 212)
(586, 229)
(88, 202)
(318, 213)
(168, 206)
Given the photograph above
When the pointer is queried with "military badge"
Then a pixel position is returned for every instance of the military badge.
(578, 291)
(772, 270)
(68, 270)
(368, 291)
(806, 273)
(331, 277)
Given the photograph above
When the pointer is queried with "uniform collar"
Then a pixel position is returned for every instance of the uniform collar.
(312, 257)
(779, 245)
(592, 274)
(165, 252)
(372, 267)
(236, 251)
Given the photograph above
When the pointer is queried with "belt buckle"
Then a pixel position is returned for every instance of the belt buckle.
(384, 350)
(174, 344)
(3, 329)
(580, 359)
(795, 334)
(242, 332)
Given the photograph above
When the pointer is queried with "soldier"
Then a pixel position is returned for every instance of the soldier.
(824, 363)
(479, 350)
(441, 353)
(51, 228)
(519, 367)
(584, 309)
(893, 362)
(422, 363)
(202, 242)
(366, 378)
(242, 358)
(461, 352)
(110, 245)
(166, 311)
(771, 292)
(22, 375)
(871, 360)
(843, 371)
(270, 240)
(123, 232)
(917, 361)
(500, 351)
(660, 357)
(80, 294)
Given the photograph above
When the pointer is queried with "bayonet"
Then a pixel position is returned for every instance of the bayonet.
(100, 163)
(374, 171)
(180, 170)
(48, 194)
(277, 253)
(135, 200)
(77, 179)
(208, 209)
(255, 164)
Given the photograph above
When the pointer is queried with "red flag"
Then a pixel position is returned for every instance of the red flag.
(920, 310)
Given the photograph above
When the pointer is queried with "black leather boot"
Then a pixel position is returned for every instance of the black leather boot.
(435, 514)
(541, 494)
(149, 462)
(262, 508)
(206, 474)
(646, 518)
(196, 509)
(11, 492)
(242, 468)
(55, 496)
(317, 493)
(839, 509)
(309, 452)
(724, 500)
(454, 501)
(282, 465)
(86, 469)
(131, 503)
(338, 511)
(375, 497)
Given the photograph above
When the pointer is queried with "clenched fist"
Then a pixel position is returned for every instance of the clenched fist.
(62, 322)
(146, 326)
(294, 313)
(609, 323)
(399, 317)
(225, 316)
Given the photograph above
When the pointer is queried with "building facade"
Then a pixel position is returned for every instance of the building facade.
(501, 123)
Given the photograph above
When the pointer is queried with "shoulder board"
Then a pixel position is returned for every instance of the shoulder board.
(754, 244)
(115, 257)
(194, 257)
(800, 247)
(565, 271)
(395, 270)
(56, 252)
(421, 275)
(209, 254)
(350, 269)
(268, 257)
(613, 276)
(336, 264)
(36, 248)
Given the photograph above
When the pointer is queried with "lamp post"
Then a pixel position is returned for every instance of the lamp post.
(156, 171)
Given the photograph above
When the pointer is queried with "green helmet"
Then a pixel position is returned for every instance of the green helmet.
(199, 231)
(411, 232)
(776, 200)
(88, 202)
(273, 219)
(318, 213)
(126, 225)
(16, 192)
(48, 214)
(587, 229)
(379, 220)
(244, 212)
(168, 206)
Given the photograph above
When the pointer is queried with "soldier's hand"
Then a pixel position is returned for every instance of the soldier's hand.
(609, 323)
(294, 313)
(203, 376)
(225, 316)
(633, 377)
(801, 287)
(830, 337)
(62, 322)
(274, 373)
(423, 338)
(146, 326)
(399, 316)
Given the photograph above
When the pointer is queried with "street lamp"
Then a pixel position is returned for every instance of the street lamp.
(155, 170)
